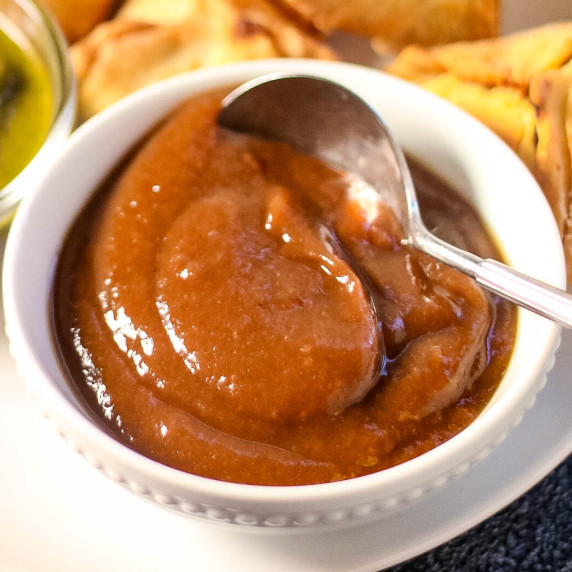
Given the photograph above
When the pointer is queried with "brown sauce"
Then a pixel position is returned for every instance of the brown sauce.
(223, 303)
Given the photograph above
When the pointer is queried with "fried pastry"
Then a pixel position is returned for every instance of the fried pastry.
(509, 60)
(521, 87)
(143, 44)
(159, 12)
(393, 24)
(78, 17)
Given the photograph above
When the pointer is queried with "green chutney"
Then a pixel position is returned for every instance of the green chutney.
(26, 107)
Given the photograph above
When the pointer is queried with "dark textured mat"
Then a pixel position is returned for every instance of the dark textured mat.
(532, 534)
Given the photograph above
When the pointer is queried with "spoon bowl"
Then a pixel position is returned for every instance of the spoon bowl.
(328, 121)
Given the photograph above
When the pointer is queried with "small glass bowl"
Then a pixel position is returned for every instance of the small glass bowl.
(34, 30)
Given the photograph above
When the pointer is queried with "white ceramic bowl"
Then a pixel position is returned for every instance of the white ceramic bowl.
(33, 29)
(443, 137)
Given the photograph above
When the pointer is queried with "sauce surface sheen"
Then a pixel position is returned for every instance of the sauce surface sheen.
(236, 310)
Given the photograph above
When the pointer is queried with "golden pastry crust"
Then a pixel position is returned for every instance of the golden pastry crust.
(509, 60)
(568, 223)
(550, 92)
(159, 12)
(502, 108)
(78, 17)
(393, 24)
(521, 87)
(125, 54)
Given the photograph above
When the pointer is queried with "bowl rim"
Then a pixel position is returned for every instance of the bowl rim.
(467, 446)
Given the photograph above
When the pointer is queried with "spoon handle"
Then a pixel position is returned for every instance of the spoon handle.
(530, 293)
(525, 291)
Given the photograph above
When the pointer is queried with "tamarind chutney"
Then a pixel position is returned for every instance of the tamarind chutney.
(236, 310)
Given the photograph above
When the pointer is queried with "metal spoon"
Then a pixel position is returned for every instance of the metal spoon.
(323, 119)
